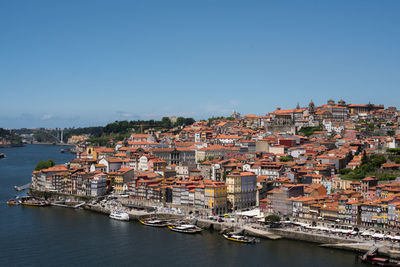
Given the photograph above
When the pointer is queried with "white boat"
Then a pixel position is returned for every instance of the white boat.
(186, 228)
(154, 223)
(119, 215)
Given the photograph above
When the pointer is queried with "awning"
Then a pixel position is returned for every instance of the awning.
(251, 213)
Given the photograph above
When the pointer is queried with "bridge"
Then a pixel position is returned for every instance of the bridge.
(56, 134)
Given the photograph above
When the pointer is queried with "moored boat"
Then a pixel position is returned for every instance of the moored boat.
(240, 238)
(119, 215)
(185, 228)
(34, 203)
(13, 202)
(155, 223)
(372, 258)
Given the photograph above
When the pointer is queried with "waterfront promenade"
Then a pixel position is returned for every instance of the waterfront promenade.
(301, 231)
(240, 224)
(99, 236)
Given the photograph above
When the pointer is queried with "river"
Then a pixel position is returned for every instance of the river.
(52, 236)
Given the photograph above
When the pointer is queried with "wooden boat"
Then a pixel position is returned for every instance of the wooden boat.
(185, 228)
(372, 258)
(240, 238)
(155, 223)
(13, 202)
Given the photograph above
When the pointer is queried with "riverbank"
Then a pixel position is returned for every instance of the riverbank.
(91, 238)
(347, 243)
(139, 211)
(11, 145)
(354, 244)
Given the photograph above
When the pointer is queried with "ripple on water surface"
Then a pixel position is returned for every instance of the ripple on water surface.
(52, 236)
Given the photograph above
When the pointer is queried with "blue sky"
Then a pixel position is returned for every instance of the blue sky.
(84, 63)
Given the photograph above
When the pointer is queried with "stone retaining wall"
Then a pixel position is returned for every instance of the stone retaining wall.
(309, 237)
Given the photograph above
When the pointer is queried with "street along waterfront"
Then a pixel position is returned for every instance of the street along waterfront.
(57, 236)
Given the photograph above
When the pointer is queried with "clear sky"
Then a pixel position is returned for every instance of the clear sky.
(85, 63)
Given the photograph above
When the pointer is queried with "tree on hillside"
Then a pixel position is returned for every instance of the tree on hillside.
(189, 121)
(286, 159)
(308, 131)
(180, 121)
(44, 164)
(166, 122)
(4, 132)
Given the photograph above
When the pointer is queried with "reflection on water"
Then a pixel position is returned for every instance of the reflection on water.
(52, 236)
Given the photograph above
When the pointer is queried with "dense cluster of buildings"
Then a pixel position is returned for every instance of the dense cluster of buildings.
(286, 162)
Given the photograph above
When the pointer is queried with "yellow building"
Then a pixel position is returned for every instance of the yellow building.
(330, 212)
(122, 177)
(233, 183)
(215, 194)
(241, 189)
(75, 139)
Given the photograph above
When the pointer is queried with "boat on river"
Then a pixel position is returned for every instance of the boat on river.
(34, 203)
(240, 238)
(374, 260)
(371, 257)
(13, 202)
(2, 155)
(119, 215)
(185, 228)
(155, 223)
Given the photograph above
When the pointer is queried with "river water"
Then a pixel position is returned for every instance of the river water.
(52, 236)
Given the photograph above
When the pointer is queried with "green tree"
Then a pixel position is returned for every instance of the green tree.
(364, 158)
(378, 160)
(15, 139)
(4, 132)
(99, 141)
(180, 121)
(393, 150)
(286, 159)
(166, 122)
(394, 158)
(189, 121)
(210, 120)
(271, 219)
(369, 166)
(344, 171)
(44, 164)
(307, 131)
(371, 127)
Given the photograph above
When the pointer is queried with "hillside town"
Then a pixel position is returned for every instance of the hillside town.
(336, 162)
